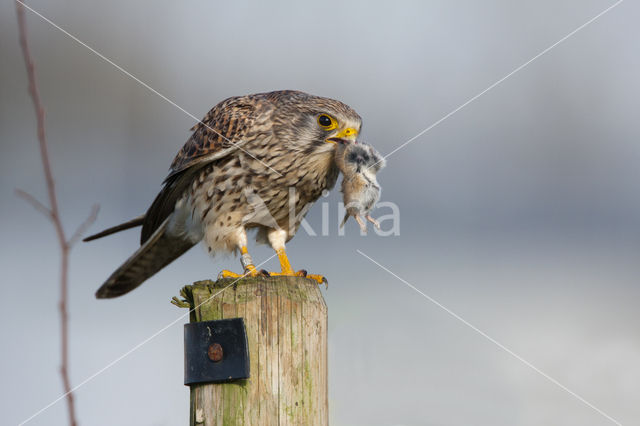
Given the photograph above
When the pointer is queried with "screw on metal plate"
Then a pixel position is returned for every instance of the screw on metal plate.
(215, 351)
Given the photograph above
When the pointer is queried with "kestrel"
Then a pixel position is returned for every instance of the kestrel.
(359, 164)
(255, 161)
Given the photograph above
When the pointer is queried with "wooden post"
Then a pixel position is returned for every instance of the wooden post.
(286, 324)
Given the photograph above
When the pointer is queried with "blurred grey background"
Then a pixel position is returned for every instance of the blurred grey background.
(521, 212)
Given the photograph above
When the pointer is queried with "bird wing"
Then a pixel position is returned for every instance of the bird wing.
(227, 127)
(165, 202)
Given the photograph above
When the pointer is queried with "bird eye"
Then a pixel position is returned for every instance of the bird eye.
(326, 122)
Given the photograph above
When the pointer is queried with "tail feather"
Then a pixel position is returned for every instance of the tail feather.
(127, 225)
(157, 252)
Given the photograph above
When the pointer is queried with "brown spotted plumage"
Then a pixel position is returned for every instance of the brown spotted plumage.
(254, 162)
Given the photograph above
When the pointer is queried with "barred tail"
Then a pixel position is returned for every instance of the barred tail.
(156, 253)
(127, 225)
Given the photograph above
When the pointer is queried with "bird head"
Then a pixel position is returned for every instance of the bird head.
(319, 124)
(339, 129)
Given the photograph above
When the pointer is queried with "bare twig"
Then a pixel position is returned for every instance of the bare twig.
(84, 225)
(34, 202)
(52, 213)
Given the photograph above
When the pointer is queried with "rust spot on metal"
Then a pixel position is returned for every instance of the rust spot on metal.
(215, 352)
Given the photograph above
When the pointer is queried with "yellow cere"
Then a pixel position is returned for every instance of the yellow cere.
(349, 133)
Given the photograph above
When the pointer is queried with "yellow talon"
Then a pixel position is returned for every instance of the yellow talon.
(228, 274)
(251, 271)
(287, 270)
(320, 279)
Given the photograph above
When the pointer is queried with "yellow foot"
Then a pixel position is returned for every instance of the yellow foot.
(302, 273)
(250, 272)
(320, 279)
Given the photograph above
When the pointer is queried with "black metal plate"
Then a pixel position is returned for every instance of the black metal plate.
(230, 334)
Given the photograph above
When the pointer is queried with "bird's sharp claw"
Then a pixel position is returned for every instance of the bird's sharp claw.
(320, 279)
(264, 273)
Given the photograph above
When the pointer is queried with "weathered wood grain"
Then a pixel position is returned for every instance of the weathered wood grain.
(286, 322)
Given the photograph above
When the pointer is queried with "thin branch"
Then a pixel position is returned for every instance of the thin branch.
(35, 203)
(52, 212)
(84, 225)
(39, 109)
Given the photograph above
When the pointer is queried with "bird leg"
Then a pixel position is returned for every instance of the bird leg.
(277, 239)
(247, 264)
(287, 270)
(245, 259)
(284, 262)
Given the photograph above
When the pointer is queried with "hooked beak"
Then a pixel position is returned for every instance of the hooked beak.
(344, 136)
